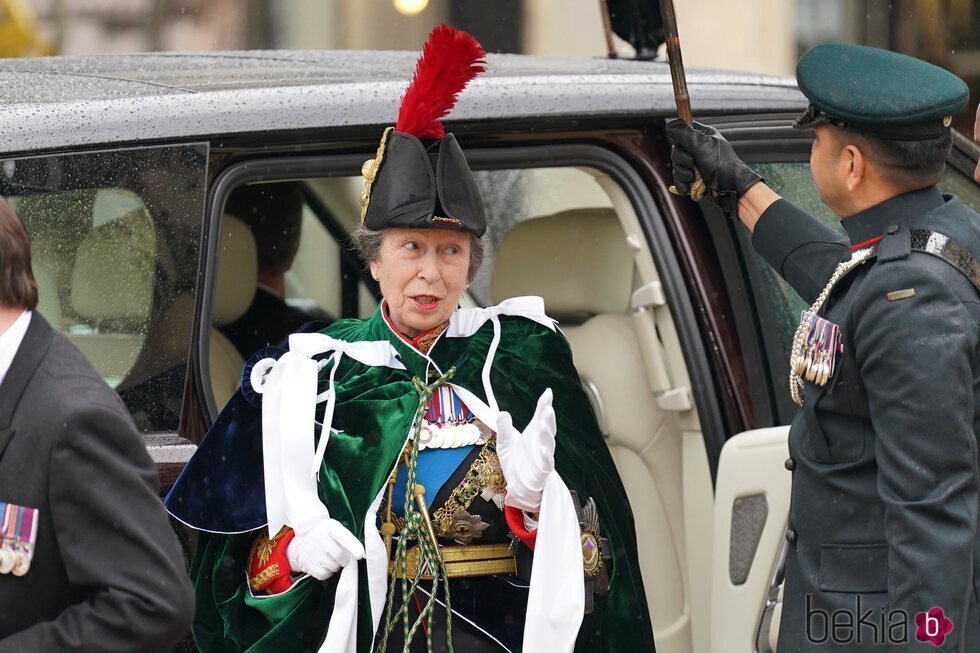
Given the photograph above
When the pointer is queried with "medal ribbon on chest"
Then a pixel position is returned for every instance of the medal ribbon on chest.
(448, 423)
(817, 341)
(18, 532)
(823, 344)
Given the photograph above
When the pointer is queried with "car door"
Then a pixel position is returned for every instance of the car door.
(753, 485)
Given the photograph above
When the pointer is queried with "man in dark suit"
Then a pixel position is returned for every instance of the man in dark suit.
(274, 214)
(884, 546)
(88, 561)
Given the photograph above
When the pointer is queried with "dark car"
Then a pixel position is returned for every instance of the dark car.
(121, 168)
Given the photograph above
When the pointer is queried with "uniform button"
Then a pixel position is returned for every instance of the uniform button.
(892, 229)
(790, 464)
(791, 536)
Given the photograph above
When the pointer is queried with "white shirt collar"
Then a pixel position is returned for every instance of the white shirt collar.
(10, 342)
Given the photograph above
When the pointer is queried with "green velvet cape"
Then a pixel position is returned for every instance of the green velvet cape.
(375, 408)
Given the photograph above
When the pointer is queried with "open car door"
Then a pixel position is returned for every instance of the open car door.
(751, 507)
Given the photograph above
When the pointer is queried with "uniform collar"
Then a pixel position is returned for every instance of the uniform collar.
(865, 227)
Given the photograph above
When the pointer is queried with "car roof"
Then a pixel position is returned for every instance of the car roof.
(60, 102)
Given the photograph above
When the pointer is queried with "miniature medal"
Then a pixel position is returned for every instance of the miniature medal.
(18, 532)
(823, 344)
(448, 423)
(816, 333)
(22, 562)
(7, 559)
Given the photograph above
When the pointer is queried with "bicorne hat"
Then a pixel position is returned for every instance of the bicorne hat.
(419, 177)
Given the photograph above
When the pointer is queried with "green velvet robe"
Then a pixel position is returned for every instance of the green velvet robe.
(375, 408)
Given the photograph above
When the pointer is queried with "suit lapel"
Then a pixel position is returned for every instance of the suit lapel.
(32, 349)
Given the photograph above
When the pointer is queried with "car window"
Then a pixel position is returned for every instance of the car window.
(309, 284)
(114, 240)
(779, 305)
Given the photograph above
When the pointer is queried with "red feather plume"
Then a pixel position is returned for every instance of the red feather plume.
(450, 59)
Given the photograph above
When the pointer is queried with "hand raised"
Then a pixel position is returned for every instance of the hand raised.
(528, 457)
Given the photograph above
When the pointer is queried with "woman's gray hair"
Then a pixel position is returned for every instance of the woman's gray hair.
(368, 243)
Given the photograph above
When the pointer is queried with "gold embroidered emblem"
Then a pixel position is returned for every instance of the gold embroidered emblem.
(263, 546)
(425, 341)
(263, 576)
(444, 220)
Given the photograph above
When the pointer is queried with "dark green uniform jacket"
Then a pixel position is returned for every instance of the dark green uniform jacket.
(375, 407)
(883, 520)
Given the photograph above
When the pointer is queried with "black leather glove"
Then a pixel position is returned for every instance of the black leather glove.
(725, 175)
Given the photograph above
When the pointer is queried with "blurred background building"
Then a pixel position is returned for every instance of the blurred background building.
(752, 35)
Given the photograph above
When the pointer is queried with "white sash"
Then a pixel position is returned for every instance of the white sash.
(289, 404)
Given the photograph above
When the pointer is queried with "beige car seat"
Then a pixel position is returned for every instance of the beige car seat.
(234, 290)
(112, 293)
(55, 223)
(580, 263)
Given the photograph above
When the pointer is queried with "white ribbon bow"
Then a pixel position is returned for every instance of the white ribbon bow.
(289, 404)
(467, 321)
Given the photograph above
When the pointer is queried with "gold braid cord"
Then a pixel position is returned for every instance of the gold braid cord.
(417, 527)
(797, 359)
(370, 171)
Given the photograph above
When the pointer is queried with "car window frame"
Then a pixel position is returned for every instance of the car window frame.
(545, 155)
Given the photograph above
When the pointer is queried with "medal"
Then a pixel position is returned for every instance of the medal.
(449, 424)
(815, 335)
(22, 562)
(7, 559)
(18, 531)
(425, 435)
(822, 345)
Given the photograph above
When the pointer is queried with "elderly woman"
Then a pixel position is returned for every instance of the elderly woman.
(410, 467)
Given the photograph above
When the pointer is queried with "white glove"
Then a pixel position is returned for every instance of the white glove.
(527, 458)
(323, 550)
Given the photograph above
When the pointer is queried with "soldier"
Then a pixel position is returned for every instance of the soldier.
(883, 539)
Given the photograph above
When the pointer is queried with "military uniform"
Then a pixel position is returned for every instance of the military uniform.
(883, 530)
(884, 456)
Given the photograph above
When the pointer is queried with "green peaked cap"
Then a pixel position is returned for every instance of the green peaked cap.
(878, 92)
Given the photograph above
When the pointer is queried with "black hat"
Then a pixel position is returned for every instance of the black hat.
(419, 177)
(877, 92)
